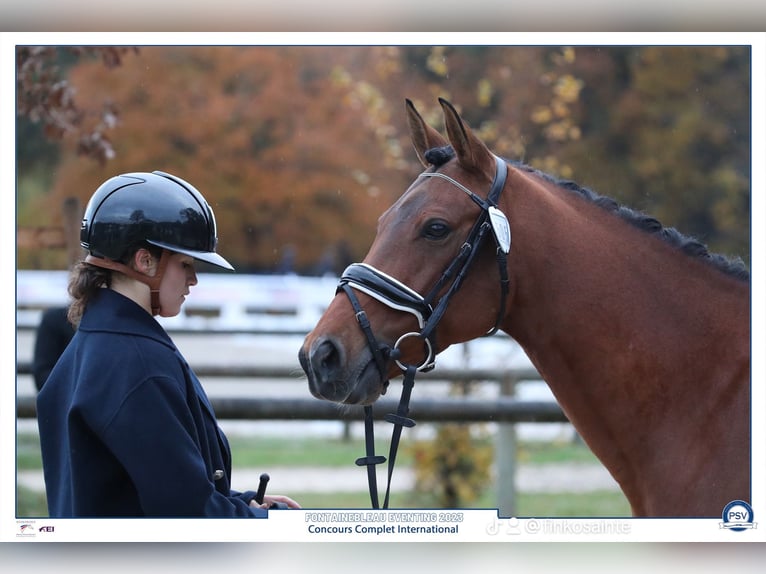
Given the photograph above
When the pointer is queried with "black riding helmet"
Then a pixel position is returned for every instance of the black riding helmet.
(159, 208)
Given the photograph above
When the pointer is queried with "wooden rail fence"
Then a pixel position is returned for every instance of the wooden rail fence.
(501, 410)
(505, 410)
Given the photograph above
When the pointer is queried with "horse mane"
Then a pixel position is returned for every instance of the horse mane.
(733, 267)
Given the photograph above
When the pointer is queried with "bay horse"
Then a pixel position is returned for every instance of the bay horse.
(642, 335)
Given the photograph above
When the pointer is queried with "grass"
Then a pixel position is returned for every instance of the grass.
(557, 451)
(276, 452)
(28, 452)
(30, 503)
(258, 452)
(249, 452)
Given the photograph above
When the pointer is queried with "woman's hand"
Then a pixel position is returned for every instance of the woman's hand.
(271, 500)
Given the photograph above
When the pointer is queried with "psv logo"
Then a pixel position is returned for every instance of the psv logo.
(737, 516)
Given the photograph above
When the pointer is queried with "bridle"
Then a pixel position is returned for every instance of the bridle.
(426, 309)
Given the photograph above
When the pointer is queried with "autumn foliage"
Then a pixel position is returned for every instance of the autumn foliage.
(300, 148)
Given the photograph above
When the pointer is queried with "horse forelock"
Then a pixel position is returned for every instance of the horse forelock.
(438, 156)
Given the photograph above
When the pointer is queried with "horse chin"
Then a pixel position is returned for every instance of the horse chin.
(366, 387)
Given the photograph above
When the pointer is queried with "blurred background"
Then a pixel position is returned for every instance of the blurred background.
(300, 148)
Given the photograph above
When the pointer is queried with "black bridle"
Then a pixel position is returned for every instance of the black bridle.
(427, 310)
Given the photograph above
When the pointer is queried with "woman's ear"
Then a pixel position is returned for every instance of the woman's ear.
(145, 262)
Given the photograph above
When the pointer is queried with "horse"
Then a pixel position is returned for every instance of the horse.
(642, 334)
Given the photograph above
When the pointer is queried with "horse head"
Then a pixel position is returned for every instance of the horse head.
(435, 274)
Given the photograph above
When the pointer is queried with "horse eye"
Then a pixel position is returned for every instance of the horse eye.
(436, 229)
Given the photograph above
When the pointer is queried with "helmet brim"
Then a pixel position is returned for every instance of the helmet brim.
(206, 256)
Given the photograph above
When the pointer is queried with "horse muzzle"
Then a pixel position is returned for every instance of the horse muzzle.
(331, 378)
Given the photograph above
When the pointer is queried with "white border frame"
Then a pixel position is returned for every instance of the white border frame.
(479, 525)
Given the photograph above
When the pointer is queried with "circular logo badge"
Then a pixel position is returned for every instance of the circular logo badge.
(737, 516)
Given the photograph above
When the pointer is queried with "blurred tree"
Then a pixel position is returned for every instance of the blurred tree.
(307, 145)
(265, 134)
(454, 469)
(45, 97)
(48, 113)
(667, 130)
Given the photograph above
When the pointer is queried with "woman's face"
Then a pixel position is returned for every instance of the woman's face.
(174, 287)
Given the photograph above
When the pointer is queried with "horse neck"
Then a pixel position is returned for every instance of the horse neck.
(616, 321)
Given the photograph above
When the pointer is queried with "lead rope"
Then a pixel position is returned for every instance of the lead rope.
(398, 419)
(370, 460)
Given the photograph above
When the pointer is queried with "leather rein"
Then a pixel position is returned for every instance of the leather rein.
(428, 312)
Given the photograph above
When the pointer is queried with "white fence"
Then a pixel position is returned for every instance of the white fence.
(267, 304)
(260, 304)
(219, 302)
(286, 306)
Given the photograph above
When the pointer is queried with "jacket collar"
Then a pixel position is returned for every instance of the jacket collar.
(112, 312)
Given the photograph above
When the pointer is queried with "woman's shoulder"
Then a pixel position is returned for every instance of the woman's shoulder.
(132, 352)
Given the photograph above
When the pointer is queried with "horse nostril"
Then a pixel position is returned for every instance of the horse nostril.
(325, 361)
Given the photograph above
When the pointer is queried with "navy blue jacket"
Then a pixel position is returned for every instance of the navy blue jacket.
(126, 428)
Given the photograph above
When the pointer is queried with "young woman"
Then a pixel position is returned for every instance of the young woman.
(126, 428)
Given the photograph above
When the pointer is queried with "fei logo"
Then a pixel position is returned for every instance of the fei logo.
(737, 516)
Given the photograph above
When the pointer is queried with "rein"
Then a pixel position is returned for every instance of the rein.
(396, 295)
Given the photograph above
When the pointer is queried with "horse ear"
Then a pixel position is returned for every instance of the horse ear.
(424, 137)
(471, 152)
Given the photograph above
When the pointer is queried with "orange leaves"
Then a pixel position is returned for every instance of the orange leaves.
(307, 145)
(43, 96)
